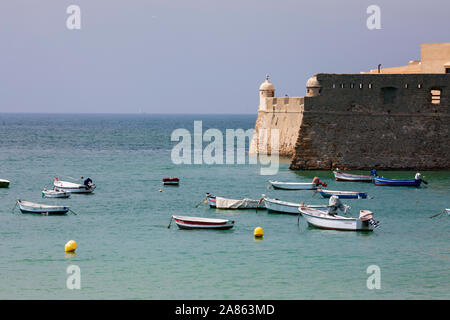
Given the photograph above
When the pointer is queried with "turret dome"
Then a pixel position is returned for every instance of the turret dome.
(267, 85)
(313, 83)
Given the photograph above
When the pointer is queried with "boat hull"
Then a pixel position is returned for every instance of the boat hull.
(339, 176)
(36, 208)
(343, 195)
(281, 206)
(59, 195)
(73, 187)
(4, 184)
(319, 219)
(202, 223)
(397, 182)
(293, 185)
(171, 183)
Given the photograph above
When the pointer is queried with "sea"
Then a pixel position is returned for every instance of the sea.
(125, 249)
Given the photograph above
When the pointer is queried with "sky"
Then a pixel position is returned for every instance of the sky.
(196, 56)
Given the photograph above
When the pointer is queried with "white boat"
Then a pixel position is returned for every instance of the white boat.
(55, 193)
(73, 187)
(321, 219)
(293, 185)
(184, 222)
(4, 183)
(31, 207)
(341, 176)
(276, 205)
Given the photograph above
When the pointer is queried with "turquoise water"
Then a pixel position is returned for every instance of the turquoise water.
(126, 251)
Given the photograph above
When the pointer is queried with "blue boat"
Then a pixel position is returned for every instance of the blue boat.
(343, 194)
(397, 182)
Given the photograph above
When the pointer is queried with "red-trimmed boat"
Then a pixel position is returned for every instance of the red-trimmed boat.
(184, 222)
(171, 181)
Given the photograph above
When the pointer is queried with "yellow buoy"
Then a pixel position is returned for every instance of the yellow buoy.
(70, 246)
(259, 232)
(160, 190)
(206, 202)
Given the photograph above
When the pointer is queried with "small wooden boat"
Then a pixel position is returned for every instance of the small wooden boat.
(279, 206)
(4, 183)
(321, 219)
(378, 181)
(55, 193)
(340, 176)
(293, 185)
(73, 187)
(343, 194)
(226, 203)
(184, 222)
(171, 181)
(31, 207)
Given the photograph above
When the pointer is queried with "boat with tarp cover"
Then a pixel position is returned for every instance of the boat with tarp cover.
(226, 203)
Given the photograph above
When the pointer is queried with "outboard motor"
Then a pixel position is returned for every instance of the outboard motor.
(317, 182)
(334, 204)
(366, 215)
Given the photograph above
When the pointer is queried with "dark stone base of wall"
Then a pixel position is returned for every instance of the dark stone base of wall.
(351, 141)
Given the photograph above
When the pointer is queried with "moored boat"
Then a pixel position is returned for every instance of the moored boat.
(340, 176)
(342, 194)
(379, 181)
(321, 219)
(171, 181)
(73, 187)
(226, 203)
(280, 206)
(4, 183)
(55, 193)
(184, 222)
(293, 185)
(31, 207)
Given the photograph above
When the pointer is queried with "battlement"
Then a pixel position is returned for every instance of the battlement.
(284, 104)
(381, 93)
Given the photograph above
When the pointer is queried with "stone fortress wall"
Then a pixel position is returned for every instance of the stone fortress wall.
(363, 121)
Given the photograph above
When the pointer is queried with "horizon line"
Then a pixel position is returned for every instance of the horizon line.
(125, 113)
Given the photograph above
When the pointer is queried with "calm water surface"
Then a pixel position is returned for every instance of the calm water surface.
(126, 251)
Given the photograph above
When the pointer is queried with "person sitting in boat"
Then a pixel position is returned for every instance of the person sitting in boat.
(373, 172)
(87, 182)
(317, 182)
(334, 204)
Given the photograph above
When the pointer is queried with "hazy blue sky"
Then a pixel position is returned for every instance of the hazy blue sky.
(196, 56)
